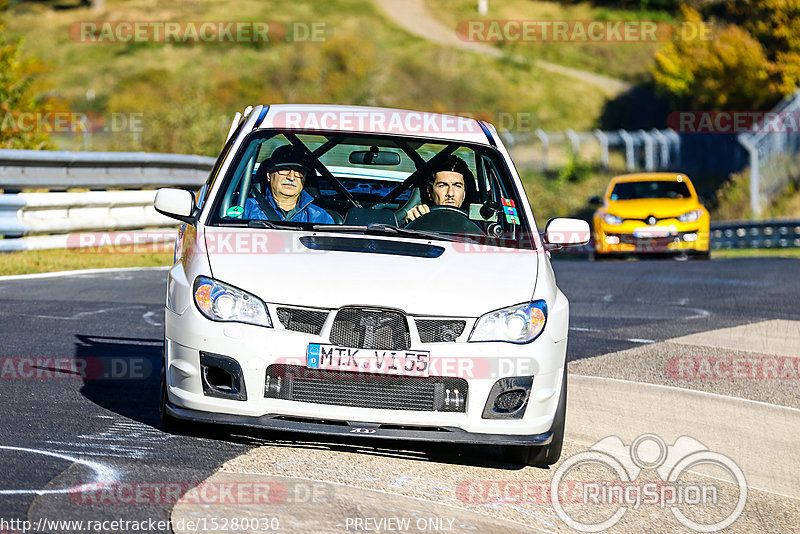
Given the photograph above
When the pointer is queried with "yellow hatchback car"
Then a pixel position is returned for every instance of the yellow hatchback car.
(651, 213)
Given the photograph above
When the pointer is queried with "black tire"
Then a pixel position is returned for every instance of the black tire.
(600, 257)
(550, 453)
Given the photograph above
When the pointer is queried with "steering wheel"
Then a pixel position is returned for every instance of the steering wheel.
(446, 219)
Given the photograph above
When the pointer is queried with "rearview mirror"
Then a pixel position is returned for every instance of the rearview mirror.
(374, 157)
(175, 203)
(595, 201)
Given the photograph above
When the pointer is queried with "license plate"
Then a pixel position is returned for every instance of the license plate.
(388, 362)
(652, 231)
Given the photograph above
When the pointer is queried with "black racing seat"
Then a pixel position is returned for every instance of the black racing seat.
(337, 217)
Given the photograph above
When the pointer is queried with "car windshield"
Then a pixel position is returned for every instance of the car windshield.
(414, 187)
(651, 189)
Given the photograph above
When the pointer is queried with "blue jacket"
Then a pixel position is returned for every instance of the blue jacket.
(307, 212)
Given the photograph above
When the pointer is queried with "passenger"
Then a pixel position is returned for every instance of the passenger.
(285, 171)
(446, 186)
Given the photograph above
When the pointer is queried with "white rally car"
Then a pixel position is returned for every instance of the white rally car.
(359, 318)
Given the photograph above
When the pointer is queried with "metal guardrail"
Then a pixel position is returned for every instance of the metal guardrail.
(53, 220)
(62, 170)
(60, 219)
(28, 214)
(776, 233)
(31, 221)
(731, 235)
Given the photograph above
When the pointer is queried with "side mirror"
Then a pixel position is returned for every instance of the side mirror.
(595, 202)
(175, 203)
(566, 232)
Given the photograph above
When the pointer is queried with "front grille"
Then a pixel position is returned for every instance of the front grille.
(301, 320)
(439, 330)
(646, 242)
(384, 392)
(369, 328)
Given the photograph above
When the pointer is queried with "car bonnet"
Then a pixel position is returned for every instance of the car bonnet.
(450, 279)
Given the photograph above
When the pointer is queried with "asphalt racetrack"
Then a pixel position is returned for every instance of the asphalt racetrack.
(642, 335)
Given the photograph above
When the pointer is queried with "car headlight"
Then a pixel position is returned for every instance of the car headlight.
(221, 302)
(691, 216)
(517, 324)
(611, 219)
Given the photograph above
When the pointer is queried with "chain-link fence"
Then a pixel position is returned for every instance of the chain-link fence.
(648, 150)
(774, 150)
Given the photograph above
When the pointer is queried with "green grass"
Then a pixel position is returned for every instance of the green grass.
(733, 201)
(626, 60)
(553, 194)
(189, 92)
(756, 253)
(43, 261)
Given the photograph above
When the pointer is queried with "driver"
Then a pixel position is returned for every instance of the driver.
(286, 170)
(446, 186)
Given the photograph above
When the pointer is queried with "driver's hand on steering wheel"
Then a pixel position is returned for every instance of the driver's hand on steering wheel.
(417, 211)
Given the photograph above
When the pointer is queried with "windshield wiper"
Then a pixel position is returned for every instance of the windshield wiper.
(261, 223)
(385, 229)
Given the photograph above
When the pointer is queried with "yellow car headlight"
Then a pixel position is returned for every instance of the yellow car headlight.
(691, 216)
(611, 219)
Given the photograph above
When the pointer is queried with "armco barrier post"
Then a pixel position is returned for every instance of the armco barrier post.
(602, 138)
(574, 140)
(755, 176)
(649, 160)
(630, 162)
(663, 142)
(545, 143)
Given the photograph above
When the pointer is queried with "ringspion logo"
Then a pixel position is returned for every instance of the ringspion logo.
(702, 504)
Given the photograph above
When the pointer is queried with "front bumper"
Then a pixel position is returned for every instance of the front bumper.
(257, 348)
(622, 239)
(360, 429)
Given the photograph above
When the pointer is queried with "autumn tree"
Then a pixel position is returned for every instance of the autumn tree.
(17, 95)
(752, 61)
(776, 25)
(723, 67)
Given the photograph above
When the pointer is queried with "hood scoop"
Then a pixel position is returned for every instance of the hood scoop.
(376, 246)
